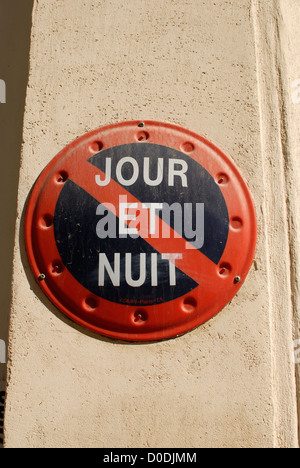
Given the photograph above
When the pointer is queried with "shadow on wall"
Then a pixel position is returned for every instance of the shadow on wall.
(15, 26)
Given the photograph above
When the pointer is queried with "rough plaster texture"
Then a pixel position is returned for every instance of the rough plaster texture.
(212, 67)
(290, 109)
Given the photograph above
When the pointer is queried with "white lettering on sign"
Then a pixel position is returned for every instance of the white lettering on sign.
(124, 217)
(133, 259)
(177, 168)
(135, 171)
(153, 208)
(104, 264)
(142, 219)
(177, 172)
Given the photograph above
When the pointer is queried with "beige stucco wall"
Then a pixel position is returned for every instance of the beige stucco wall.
(216, 68)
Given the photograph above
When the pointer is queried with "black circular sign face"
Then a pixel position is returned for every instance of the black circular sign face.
(110, 258)
(140, 231)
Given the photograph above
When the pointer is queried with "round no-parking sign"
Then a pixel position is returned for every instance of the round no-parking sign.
(140, 231)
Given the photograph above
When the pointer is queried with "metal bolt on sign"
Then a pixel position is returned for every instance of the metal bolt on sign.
(143, 230)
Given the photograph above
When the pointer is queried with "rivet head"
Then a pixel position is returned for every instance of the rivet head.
(141, 124)
(237, 279)
(42, 277)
